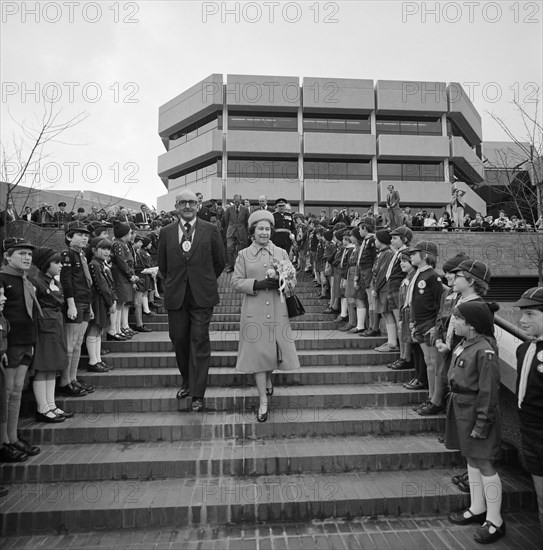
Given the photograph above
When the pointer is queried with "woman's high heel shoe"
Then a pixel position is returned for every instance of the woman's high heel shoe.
(262, 417)
(269, 391)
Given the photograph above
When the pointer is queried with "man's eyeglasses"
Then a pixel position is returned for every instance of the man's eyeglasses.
(192, 204)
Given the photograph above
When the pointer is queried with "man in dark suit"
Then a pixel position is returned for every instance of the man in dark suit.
(235, 221)
(203, 212)
(263, 204)
(190, 258)
(142, 219)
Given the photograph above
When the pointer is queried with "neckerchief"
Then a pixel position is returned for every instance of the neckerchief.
(526, 366)
(411, 286)
(84, 265)
(393, 261)
(28, 289)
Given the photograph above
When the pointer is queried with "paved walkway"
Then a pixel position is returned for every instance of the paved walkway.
(391, 533)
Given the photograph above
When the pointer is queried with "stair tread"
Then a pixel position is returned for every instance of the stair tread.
(220, 418)
(231, 491)
(221, 353)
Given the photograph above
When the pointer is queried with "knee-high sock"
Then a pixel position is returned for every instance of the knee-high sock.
(145, 303)
(91, 348)
(124, 317)
(360, 317)
(493, 495)
(117, 327)
(50, 393)
(98, 348)
(40, 393)
(392, 334)
(478, 504)
(343, 307)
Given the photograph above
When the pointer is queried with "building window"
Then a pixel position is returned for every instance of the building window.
(200, 172)
(337, 170)
(271, 122)
(212, 122)
(330, 123)
(410, 171)
(414, 126)
(259, 169)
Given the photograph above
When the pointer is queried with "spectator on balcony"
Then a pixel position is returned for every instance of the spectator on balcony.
(407, 217)
(27, 214)
(80, 216)
(539, 223)
(445, 222)
(393, 207)
(340, 217)
(479, 223)
(418, 220)
(9, 214)
(356, 219)
(502, 222)
(430, 222)
(456, 208)
(61, 217)
(42, 216)
(93, 214)
(381, 219)
(123, 216)
(323, 218)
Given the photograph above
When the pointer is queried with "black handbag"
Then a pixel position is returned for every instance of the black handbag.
(294, 306)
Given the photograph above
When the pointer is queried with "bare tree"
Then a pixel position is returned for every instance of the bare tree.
(519, 173)
(27, 150)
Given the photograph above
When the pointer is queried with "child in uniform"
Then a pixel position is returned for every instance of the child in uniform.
(50, 353)
(379, 288)
(103, 302)
(355, 293)
(21, 311)
(76, 285)
(473, 419)
(530, 388)
(142, 286)
(363, 278)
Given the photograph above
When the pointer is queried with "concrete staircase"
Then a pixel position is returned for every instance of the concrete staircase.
(341, 441)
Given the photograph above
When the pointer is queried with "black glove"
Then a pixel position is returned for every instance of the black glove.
(266, 283)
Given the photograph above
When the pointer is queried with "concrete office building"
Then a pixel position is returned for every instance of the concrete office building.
(321, 142)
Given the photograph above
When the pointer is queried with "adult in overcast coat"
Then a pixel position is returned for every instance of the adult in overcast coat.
(190, 257)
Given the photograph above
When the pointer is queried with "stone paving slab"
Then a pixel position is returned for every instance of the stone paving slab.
(159, 460)
(82, 506)
(112, 400)
(210, 425)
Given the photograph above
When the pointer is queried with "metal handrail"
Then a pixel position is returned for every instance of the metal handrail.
(511, 328)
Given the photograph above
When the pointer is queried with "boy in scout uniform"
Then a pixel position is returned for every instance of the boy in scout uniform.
(473, 418)
(530, 388)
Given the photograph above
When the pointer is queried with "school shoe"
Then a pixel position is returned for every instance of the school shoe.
(415, 385)
(330, 310)
(340, 319)
(116, 337)
(386, 348)
(458, 517)
(97, 367)
(50, 417)
(106, 366)
(182, 393)
(127, 333)
(143, 328)
(9, 453)
(79, 382)
(484, 536)
(65, 414)
(419, 406)
(150, 313)
(346, 328)
(261, 417)
(370, 333)
(356, 330)
(401, 364)
(24, 446)
(71, 390)
(430, 409)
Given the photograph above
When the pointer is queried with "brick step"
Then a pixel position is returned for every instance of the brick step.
(224, 376)
(229, 340)
(141, 461)
(133, 359)
(132, 427)
(286, 400)
(234, 317)
(70, 507)
(316, 308)
(228, 326)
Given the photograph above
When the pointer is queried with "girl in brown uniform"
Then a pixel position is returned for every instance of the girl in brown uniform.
(473, 420)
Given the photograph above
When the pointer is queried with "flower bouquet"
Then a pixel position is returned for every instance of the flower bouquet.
(285, 272)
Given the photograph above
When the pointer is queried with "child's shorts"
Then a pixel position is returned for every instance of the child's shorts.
(532, 445)
(83, 314)
(19, 355)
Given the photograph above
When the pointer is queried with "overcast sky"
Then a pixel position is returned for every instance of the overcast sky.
(119, 61)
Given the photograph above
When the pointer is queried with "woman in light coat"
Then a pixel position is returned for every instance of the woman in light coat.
(266, 341)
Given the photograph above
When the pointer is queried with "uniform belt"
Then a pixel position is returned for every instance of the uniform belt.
(460, 390)
(282, 231)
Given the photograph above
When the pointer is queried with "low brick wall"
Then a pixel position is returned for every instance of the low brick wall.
(508, 254)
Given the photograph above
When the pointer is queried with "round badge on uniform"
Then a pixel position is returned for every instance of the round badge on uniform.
(540, 369)
(421, 284)
(540, 356)
(186, 246)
